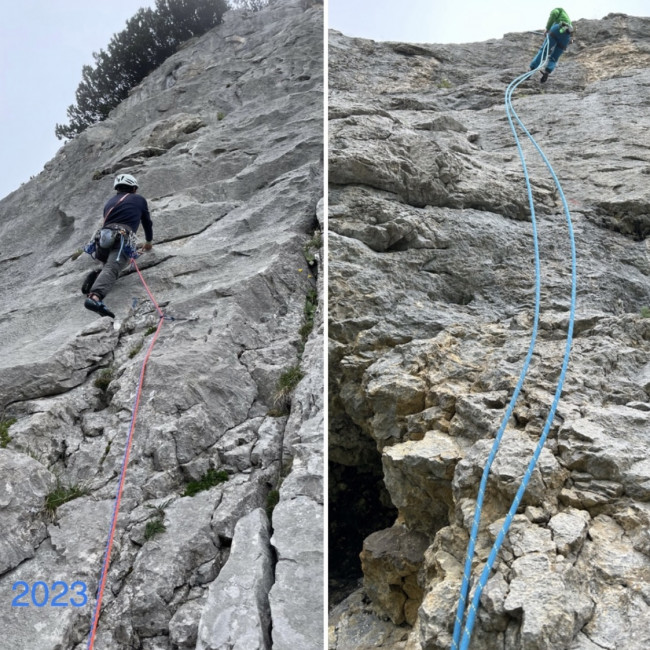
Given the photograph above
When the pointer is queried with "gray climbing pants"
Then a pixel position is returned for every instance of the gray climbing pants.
(107, 278)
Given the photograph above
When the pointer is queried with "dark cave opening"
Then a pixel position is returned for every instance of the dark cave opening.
(359, 505)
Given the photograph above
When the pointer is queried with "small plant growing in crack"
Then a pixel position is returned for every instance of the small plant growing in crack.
(311, 302)
(151, 330)
(278, 412)
(61, 495)
(5, 438)
(160, 509)
(645, 312)
(106, 451)
(104, 379)
(153, 528)
(312, 245)
(211, 478)
(134, 350)
(286, 384)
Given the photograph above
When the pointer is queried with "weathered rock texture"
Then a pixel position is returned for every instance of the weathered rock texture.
(226, 141)
(431, 299)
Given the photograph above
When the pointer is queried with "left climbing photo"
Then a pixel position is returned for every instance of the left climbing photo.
(162, 373)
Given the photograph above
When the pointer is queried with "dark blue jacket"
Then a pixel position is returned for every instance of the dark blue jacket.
(130, 211)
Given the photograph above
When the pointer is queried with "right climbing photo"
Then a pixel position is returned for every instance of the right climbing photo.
(488, 278)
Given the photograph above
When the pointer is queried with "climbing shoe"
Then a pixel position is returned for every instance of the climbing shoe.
(544, 76)
(99, 307)
(89, 281)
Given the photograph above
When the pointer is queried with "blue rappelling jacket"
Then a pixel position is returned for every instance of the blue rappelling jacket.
(131, 211)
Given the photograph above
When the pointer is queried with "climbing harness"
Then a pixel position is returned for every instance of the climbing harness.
(125, 461)
(104, 240)
(105, 237)
(466, 612)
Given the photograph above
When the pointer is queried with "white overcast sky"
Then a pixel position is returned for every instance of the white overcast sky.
(461, 21)
(44, 44)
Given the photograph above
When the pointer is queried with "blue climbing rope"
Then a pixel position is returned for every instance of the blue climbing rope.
(465, 611)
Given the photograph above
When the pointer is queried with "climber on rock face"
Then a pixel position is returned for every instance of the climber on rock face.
(114, 243)
(560, 34)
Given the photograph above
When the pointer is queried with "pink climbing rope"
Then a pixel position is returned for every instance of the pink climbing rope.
(125, 462)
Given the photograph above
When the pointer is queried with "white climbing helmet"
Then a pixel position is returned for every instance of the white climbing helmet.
(125, 179)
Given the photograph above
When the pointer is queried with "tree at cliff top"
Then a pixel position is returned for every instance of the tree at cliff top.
(149, 38)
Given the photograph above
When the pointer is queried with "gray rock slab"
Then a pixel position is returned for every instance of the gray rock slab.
(296, 598)
(24, 486)
(236, 613)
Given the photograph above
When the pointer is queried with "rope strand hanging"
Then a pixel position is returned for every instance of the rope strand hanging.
(122, 479)
(466, 612)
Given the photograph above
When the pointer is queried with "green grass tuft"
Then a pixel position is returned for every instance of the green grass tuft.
(211, 478)
(160, 510)
(62, 495)
(312, 245)
(645, 312)
(5, 438)
(311, 302)
(287, 382)
(134, 350)
(104, 379)
(154, 527)
(151, 330)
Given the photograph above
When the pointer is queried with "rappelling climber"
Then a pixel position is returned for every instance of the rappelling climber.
(114, 244)
(559, 30)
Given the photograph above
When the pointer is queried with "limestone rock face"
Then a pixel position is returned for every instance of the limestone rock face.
(226, 141)
(431, 300)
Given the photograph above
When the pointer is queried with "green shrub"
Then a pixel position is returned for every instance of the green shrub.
(220, 115)
(5, 438)
(645, 312)
(444, 83)
(211, 478)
